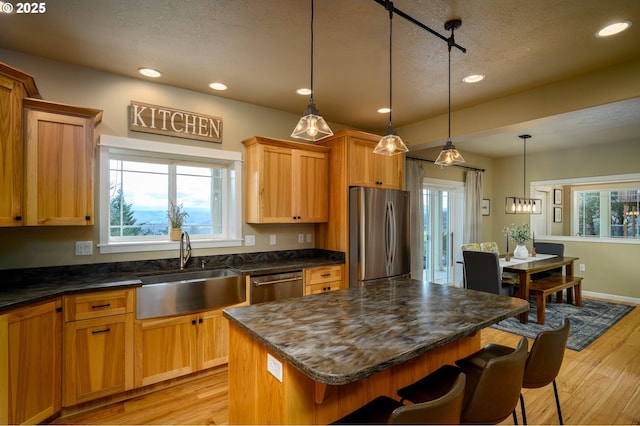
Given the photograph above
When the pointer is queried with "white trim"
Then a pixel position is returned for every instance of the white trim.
(577, 239)
(612, 297)
(589, 180)
(168, 148)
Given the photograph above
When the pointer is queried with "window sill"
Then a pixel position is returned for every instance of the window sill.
(578, 239)
(133, 247)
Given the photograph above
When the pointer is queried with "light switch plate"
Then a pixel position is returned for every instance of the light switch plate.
(309, 238)
(300, 238)
(249, 240)
(274, 367)
(272, 239)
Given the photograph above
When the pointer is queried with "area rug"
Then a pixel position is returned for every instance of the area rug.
(588, 322)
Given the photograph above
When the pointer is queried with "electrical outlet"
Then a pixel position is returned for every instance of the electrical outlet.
(84, 248)
(274, 367)
(300, 238)
(582, 267)
(309, 238)
(249, 240)
(272, 239)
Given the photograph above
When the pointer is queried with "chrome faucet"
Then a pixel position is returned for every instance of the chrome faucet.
(185, 249)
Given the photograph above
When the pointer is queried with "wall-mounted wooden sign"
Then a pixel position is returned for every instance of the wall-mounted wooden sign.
(161, 120)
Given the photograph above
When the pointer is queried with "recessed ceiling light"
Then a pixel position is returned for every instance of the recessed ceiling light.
(304, 91)
(613, 29)
(384, 110)
(218, 86)
(149, 72)
(474, 78)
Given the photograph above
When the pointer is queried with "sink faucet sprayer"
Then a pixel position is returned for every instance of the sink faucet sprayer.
(185, 249)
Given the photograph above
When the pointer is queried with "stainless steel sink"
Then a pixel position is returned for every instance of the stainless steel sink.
(184, 292)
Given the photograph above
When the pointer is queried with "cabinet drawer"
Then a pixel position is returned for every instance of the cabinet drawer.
(323, 274)
(322, 287)
(98, 304)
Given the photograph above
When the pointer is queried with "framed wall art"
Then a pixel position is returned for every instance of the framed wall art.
(557, 214)
(557, 196)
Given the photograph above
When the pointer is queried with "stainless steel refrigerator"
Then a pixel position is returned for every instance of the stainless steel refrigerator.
(378, 234)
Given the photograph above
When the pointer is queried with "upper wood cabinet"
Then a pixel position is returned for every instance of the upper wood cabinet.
(14, 86)
(367, 168)
(30, 363)
(59, 163)
(286, 182)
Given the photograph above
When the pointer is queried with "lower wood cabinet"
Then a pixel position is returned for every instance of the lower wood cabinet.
(30, 363)
(98, 345)
(171, 347)
(323, 279)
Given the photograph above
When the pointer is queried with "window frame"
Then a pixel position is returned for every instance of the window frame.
(232, 210)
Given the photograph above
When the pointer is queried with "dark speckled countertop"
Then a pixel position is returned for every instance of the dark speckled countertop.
(19, 287)
(346, 335)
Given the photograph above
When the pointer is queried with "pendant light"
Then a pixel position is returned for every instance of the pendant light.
(523, 205)
(311, 126)
(449, 154)
(390, 143)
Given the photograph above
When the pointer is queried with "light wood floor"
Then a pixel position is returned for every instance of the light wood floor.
(598, 385)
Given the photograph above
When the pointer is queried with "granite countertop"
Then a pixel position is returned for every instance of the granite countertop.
(20, 287)
(344, 336)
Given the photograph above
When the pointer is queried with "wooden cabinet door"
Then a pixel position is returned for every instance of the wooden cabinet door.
(59, 169)
(276, 185)
(98, 357)
(362, 163)
(311, 186)
(11, 177)
(30, 363)
(374, 170)
(213, 339)
(389, 171)
(164, 348)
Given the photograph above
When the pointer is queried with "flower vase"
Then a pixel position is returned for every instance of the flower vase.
(174, 234)
(520, 252)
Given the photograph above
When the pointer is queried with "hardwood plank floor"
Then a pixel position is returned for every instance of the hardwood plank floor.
(598, 385)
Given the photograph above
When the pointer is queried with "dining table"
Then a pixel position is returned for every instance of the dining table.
(530, 265)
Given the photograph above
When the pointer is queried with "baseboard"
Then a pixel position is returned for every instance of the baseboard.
(612, 297)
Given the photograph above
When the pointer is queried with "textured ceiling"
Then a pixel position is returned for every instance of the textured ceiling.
(260, 49)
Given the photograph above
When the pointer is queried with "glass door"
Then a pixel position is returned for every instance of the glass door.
(442, 217)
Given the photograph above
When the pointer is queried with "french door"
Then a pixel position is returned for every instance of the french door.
(443, 210)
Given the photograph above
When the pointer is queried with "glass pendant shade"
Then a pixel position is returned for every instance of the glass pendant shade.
(449, 155)
(311, 126)
(390, 143)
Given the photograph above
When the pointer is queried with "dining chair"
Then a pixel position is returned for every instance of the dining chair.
(444, 409)
(482, 272)
(470, 246)
(542, 366)
(491, 393)
(548, 248)
(507, 277)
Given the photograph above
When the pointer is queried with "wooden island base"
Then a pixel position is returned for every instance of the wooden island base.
(257, 397)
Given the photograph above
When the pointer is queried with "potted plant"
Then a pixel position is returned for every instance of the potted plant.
(520, 235)
(176, 219)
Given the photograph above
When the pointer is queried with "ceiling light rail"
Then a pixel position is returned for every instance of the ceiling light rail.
(385, 4)
(455, 165)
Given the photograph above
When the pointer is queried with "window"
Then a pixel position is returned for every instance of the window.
(139, 180)
(596, 209)
(607, 213)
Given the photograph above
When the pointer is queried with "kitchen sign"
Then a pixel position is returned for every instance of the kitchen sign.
(167, 121)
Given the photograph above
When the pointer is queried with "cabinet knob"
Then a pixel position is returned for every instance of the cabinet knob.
(87, 217)
(18, 218)
(193, 322)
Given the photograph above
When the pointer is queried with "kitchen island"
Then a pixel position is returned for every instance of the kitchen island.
(312, 360)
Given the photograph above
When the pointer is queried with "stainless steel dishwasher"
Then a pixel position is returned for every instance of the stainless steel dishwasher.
(266, 288)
